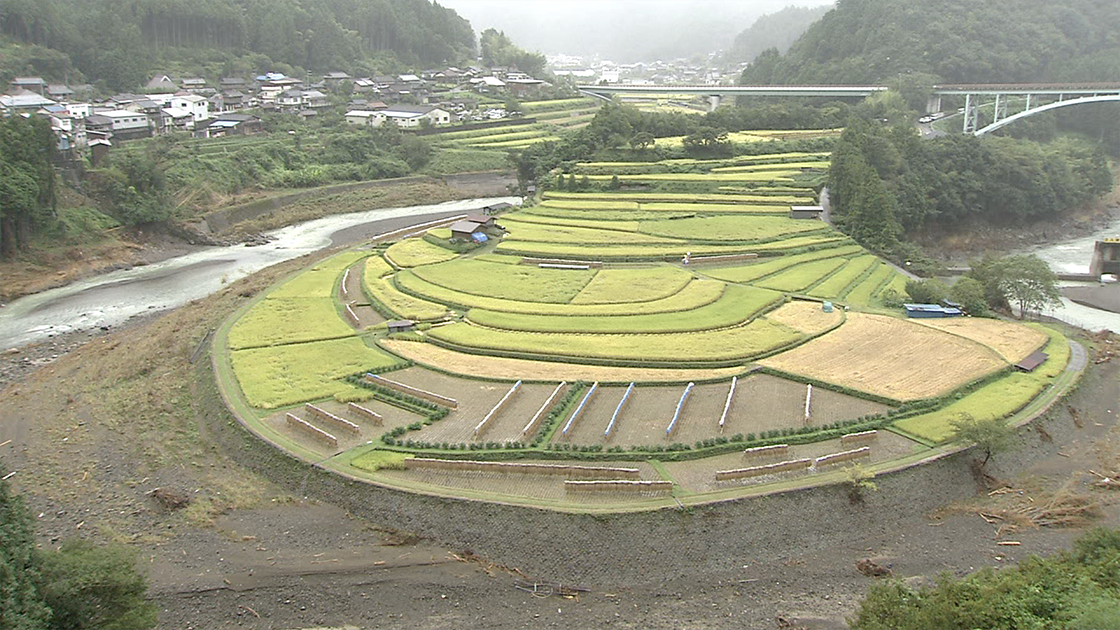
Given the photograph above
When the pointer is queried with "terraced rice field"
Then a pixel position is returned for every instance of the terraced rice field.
(643, 298)
(890, 357)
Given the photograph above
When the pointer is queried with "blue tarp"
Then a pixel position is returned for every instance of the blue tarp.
(479, 237)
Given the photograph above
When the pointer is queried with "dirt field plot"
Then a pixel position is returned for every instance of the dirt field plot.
(476, 399)
(763, 403)
(890, 357)
(547, 487)
(699, 475)
(593, 420)
(1012, 341)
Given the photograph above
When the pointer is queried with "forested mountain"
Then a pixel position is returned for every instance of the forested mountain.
(955, 41)
(774, 30)
(121, 41)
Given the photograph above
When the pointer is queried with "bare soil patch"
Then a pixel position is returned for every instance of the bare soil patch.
(890, 357)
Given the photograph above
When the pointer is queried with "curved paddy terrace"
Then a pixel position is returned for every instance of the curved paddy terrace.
(620, 350)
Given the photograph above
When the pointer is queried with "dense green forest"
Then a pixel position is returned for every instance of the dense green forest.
(777, 30)
(27, 180)
(1073, 590)
(887, 182)
(952, 41)
(122, 42)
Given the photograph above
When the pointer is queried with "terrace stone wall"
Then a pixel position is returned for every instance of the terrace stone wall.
(655, 546)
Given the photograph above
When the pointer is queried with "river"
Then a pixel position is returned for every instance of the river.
(111, 299)
(1073, 256)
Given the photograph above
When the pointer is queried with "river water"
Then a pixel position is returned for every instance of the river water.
(112, 298)
(1073, 256)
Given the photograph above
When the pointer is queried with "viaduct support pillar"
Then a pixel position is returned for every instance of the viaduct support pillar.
(713, 101)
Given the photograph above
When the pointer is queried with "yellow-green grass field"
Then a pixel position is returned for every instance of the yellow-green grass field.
(514, 144)
(756, 168)
(995, 400)
(730, 228)
(863, 294)
(294, 373)
(766, 267)
(512, 282)
(584, 219)
(288, 320)
(573, 251)
(801, 277)
(321, 281)
(767, 176)
(669, 197)
(413, 252)
(838, 283)
(737, 305)
(728, 344)
(568, 234)
(694, 295)
(382, 289)
(615, 286)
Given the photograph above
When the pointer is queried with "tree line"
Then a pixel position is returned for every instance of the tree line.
(27, 181)
(121, 42)
(887, 183)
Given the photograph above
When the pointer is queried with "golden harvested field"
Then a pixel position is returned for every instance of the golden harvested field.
(1012, 341)
(503, 368)
(890, 357)
(806, 317)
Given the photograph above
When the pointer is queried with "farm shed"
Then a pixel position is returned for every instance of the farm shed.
(400, 325)
(1035, 359)
(931, 311)
(464, 229)
(495, 208)
(485, 221)
(805, 212)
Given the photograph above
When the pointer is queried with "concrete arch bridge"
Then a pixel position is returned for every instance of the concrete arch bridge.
(1012, 102)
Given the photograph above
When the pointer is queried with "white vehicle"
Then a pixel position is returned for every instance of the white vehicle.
(926, 119)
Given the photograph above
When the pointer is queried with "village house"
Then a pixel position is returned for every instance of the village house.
(30, 84)
(412, 116)
(161, 84)
(234, 124)
(197, 105)
(365, 118)
(23, 101)
(118, 124)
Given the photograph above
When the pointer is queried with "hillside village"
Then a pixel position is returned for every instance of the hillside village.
(235, 105)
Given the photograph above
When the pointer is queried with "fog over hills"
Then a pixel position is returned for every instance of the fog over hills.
(621, 30)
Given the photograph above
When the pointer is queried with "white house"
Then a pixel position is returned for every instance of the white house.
(409, 116)
(119, 123)
(290, 99)
(365, 118)
(197, 105)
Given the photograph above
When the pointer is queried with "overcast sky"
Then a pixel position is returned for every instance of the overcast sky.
(622, 30)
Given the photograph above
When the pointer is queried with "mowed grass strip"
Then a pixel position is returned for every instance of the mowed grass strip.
(995, 400)
(728, 344)
(694, 295)
(737, 305)
(553, 233)
(730, 228)
(289, 320)
(413, 252)
(514, 144)
(802, 276)
(512, 282)
(613, 216)
(286, 375)
(835, 285)
(321, 281)
(616, 286)
(766, 267)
